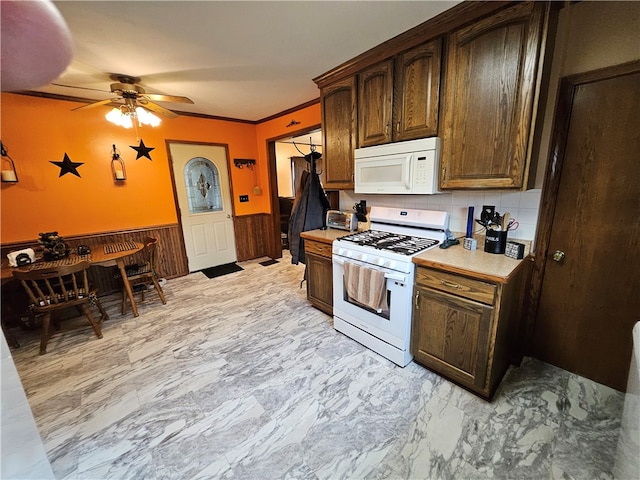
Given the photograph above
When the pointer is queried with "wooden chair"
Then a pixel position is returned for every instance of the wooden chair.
(139, 276)
(59, 288)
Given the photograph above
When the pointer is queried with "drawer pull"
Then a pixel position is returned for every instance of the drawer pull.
(449, 284)
(417, 304)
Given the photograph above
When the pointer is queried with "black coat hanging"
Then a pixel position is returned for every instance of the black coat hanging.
(309, 207)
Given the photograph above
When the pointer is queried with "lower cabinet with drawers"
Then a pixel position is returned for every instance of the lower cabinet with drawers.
(462, 326)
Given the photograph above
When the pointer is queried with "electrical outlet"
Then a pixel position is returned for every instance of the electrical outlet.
(244, 198)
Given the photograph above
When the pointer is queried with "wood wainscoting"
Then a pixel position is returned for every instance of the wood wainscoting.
(172, 258)
(254, 237)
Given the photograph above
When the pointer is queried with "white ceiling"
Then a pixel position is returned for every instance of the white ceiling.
(238, 59)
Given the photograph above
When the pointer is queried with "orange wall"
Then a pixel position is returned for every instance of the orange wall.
(38, 130)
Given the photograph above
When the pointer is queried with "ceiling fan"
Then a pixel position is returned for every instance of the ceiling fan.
(126, 88)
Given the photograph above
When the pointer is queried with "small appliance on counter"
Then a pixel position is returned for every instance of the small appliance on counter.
(342, 220)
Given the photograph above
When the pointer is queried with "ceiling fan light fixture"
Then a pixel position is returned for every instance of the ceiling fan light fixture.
(117, 117)
(125, 116)
(145, 117)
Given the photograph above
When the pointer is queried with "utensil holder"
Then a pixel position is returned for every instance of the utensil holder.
(495, 241)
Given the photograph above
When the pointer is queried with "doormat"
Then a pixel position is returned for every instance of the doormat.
(266, 263)
(213, 272)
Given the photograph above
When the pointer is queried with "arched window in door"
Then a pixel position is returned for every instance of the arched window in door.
(203, 186)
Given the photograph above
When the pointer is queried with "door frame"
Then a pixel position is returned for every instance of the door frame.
(551, 185)
(276, 240)
(167, 143)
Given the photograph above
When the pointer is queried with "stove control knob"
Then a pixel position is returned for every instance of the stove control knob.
(348, 254)
(363, 257)
(340, 251)
(380, 261)
(391, 264)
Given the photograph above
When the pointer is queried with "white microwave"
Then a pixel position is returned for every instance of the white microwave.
(401, 167)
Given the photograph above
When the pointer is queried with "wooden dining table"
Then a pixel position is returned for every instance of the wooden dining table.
(102, 255)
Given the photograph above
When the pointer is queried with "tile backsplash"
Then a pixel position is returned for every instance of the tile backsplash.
(523, 206)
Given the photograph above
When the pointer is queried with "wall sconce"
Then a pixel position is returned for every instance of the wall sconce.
(241, 162)
(292, 123)
(117, 166)
(9, 173)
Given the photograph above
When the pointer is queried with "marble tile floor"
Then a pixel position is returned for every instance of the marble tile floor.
(238, 377)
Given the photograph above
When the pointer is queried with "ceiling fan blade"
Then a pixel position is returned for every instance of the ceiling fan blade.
(81, 88)
(159, 109)
(167, 98)
(95, 104)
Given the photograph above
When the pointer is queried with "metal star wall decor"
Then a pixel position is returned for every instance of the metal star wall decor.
(143, 150)
(67, 166)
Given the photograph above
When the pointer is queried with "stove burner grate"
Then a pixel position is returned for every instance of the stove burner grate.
(393, 242)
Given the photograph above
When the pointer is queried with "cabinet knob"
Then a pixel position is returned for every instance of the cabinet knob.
(558, 256)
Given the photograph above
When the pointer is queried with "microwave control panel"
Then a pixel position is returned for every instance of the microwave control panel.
(424, 171)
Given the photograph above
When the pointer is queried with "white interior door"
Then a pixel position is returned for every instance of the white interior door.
(202, 184)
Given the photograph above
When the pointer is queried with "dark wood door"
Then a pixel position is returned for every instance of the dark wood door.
(375, 98)
(590, 293)
(490, 89)
(417, 92)
(338, 102)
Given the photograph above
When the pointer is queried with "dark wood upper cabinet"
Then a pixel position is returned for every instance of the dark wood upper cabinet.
(417, 92)
(375, 99)
(339, 114)
(492, 81)
(472, 75)
(398, 98)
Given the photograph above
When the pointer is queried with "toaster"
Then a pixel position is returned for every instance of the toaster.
(342, 220)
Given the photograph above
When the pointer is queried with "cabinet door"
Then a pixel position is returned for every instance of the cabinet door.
(375, 98)
(451, 336)
(417, 92)
(339, 133)
(491, 88)
(320, 282)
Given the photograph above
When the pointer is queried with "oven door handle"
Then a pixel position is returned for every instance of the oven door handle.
(389, 275)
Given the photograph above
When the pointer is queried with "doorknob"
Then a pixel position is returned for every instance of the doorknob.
(228, 216)
(558, 256)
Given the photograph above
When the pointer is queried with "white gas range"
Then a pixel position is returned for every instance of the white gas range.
(373, 276)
